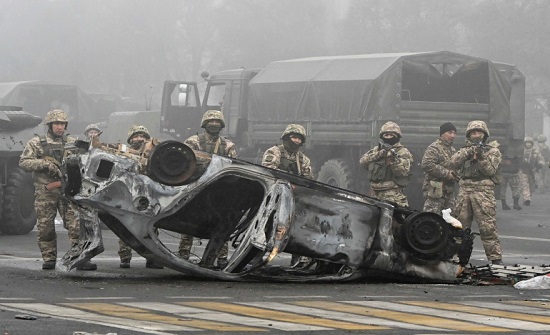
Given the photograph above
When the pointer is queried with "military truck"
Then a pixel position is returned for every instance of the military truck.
(17, 215)
(343, 100)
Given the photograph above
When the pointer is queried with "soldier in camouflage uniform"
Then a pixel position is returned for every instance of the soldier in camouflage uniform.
(389, 165)
(439, 178)
(478, 163)
(212, 142)
(543, 175)
(139, 140)
(532, 161)
(510, 176)
(43, 155)
(289, 158)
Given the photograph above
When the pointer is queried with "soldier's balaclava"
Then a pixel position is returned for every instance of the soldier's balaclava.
(290, 145)
(392, 140)
(213, 130)
(136, 144)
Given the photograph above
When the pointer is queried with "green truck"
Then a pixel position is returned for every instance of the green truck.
(343, 100)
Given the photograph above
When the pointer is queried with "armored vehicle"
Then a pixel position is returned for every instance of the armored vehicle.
(17, 215)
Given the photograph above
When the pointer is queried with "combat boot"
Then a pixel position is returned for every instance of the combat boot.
(48, 265)
(505, 205)
(516, 204)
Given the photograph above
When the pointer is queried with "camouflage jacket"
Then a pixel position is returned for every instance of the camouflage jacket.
(207, 143)
(544, 151)
(274, 156)
(34, 159)
(400, 165)
(532, 160)
(486, 165)
(436, 164)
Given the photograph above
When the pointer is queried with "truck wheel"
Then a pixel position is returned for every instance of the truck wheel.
(336, 172)
(18, 216)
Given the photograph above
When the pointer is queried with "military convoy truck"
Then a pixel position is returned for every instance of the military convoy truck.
(17, 215)
(342, 101)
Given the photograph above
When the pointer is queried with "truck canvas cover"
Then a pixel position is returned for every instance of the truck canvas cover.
(372, 87)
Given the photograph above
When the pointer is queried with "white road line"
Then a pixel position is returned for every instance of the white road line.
(73, 314)
(475, 318)
(100, 298)
(297, 296)
(502, 306)
(16, 299)
(196, 297)
(333, 315)
(204, 314)
(524, 238)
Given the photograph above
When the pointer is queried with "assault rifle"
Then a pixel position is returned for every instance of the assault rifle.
(388, 147)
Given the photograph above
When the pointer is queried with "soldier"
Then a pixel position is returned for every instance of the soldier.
(389, 165)
(43, 156)
(212, 142)
(510, 176)
(478, 163)
(289, 158)
(543, 174)
(532, 161)
(92, 130)
(140, 140)
(439, 178)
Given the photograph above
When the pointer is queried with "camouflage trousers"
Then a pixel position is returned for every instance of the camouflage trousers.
(479, 203)
(543, 177)
(527, 183)
(437, 205)
(124, 251)
(513, 181)
(393, 194)
(47, 204)
(186, 243)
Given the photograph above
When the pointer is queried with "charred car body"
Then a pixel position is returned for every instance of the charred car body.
(261, 212)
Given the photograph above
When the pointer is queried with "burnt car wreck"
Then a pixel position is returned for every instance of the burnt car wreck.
(261, 213)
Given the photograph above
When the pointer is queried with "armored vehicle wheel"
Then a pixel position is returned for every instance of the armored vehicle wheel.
(426, 233)
(336, 172)
(18, 216)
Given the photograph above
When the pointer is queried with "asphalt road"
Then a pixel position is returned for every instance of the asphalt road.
(149, 301)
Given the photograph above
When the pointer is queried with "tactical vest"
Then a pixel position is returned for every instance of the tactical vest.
(380, 172)
(54, 150)
(289, 165)
(470, 170)
(218, 147)
(510, 164)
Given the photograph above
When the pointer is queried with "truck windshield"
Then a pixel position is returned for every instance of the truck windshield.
(215, 95)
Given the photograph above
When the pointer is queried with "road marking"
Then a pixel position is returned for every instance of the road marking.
(16, 299)
(524, 238)
(145, 315)
(101, 298)
(296, 296)
(399, 319)
(205, 314)
(486, 316)
(72, 314)
(507, 307)
(197, 297)
(307, 307)
(266, 312)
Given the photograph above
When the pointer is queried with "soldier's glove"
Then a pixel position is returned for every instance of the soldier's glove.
(53, 185)
(452, 176)
(52, 169)
(383, 153)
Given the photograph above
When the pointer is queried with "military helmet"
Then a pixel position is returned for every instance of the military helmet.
(541, 138)
(135, 129)
(212, 115)
(477, 125)
(528, 139)
(92, 126)
(390, 127)
(295, 129)
(56, 115)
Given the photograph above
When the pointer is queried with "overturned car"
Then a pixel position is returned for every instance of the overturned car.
(261, 213)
